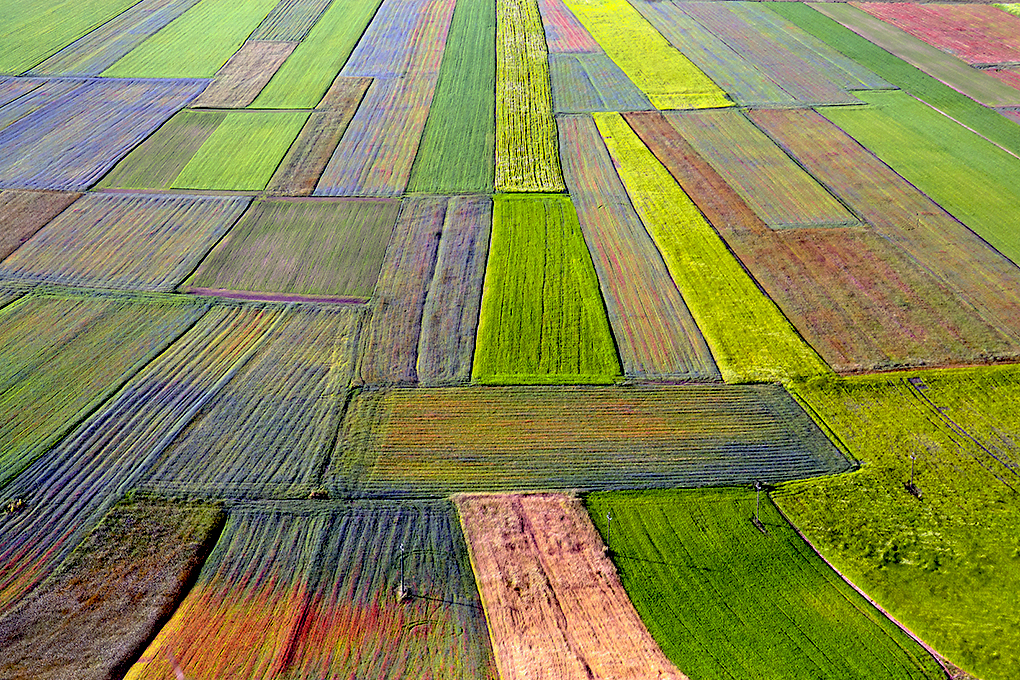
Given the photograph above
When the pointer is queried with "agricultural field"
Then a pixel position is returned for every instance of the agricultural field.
(331, 332)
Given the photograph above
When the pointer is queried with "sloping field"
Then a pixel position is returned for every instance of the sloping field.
(440, 441)
(654, 331)
(941, 559)
(553, 601)
(125, 241)
(288, 592)
(244, 75)
(301, 248)
(74, 138)
(195, 45)
(527, 158)
(285, 403)
(726, 600)
(978, 34)
(92, 345)
(592, 82)
(659, 70)
(23, 213)
(290, 20)
(542, 317)
(155, 547)
(725, 301)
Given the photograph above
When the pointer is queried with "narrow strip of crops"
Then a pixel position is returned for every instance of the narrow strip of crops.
(405, 38)
(244, 75)
(928, 526)
(1010, 76)
(750, 338)
(654, 331)
(979, 276)
(75, 139)
(308, 73)
(288, 592)
(293, 248)
(592, 82)
(725, 599)
(300, 169)
(553, 601)
(64, 355)
(457, 146)
(449, 322)
(563, 32)
(1011, 7)
(980, 34)
(285, 403)
(290, 20)
(798, 70)
(769, 181)
(32, 30)
(13, 88)
(125, 241)
(99, 49)
(389, 352)
(950, 70)
(542, 317)
(195, 45)
(153, 545)
(985, 122)
(433, 442)
(670, 79)
(67, 491)
(243, 152)
(973, 180)
(23, 213)
(376, 154)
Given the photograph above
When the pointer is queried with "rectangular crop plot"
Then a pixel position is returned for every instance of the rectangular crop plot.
(305, 248)
(670, 79)
(420, 442)
(725, 599)
(154, 545)
(542, 319)
(317, 590)
(749, 337)
(197, 44)
(243, 152)
(654, 331)
(244, 75)
(76, 137)
(592, 82)
(290, 20)
(99, 49)
(554, 603)
(125, 241)
(284, 403)
(23, 213)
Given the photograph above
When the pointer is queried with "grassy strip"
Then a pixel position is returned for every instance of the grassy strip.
(309, 71)
(244, 75)
(23, 213)
(670, 79)
(1011, 7)
(243, 152)
(724, 599)
(101, 48)
(323, 248)
(939, 562)
(51, 380)
(750, 338)
(527, 157)
(450, 316)
(125, 241)
(33, 30)
(654, 331)
(457, 146)
(433, 442)
(973, 180)
(197, 44)
(288, 592)
(156, 162)
(583, 83)
(284, 403)
(768, 180)
(542, 319)
(290, 21)
(156, 546)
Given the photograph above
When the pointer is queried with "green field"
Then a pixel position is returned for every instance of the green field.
(542, 319)
(726, 600)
